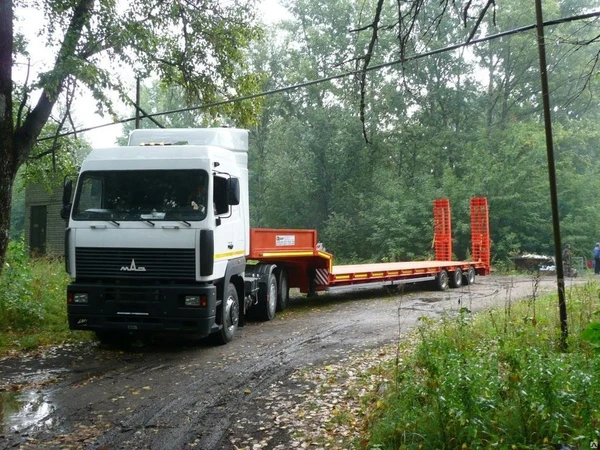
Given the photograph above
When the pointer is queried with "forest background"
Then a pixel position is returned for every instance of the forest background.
(453, 125)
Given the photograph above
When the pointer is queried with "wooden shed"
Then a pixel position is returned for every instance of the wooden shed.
(44, 228)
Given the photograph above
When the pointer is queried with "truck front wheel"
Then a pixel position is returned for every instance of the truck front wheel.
(229, 315)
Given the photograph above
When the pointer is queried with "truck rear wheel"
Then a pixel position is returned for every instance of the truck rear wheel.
(267, 299)
(283, 293)
(229, 315)
(456, 278)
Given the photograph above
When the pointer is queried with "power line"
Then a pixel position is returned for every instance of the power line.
(338, 76)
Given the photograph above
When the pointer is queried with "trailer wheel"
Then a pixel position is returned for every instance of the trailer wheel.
(469, 277)
(441, 280)
(229, 315)
(267, 299)
(456, 278)
(283, 293)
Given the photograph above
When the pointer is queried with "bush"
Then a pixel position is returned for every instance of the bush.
(16, 306)
(32, 291)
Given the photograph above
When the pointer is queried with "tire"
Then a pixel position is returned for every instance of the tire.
(283, 291)
(229, 315)
(456, 278)
(267, 299)
(113, 338)
(469, 277)
(442, 280)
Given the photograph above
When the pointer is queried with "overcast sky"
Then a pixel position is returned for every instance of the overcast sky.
(84, 106)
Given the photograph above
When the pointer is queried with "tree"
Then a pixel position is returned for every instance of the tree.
(198, 45)
(416, 23)
(310, 136)
(455, 124)
(158, 98)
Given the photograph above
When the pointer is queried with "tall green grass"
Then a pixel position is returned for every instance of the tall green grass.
(32, 301)
(496, 380)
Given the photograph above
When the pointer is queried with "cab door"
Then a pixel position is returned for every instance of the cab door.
(229, 231)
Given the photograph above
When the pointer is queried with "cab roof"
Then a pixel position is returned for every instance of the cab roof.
(234, 139)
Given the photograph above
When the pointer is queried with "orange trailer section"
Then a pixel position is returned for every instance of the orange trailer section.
(442, 229)
(295, 250)
(310, 268)
(480, 234)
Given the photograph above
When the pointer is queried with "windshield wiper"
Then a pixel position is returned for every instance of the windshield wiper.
(149, 222)
(114, 222)
(186, 222)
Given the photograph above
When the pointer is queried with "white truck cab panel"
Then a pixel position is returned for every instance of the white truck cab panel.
(138, 242)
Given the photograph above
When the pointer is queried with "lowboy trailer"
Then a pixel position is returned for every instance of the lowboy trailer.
(303, 264)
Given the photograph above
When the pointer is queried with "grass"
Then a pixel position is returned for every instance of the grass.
(495, 380)
(33, 309)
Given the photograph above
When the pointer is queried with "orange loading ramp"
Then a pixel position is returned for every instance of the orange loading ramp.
(310, 268)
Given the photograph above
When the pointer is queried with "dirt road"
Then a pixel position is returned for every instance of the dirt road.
(176, 394)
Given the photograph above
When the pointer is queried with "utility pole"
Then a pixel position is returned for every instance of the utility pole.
(560, 276)
(137, 103)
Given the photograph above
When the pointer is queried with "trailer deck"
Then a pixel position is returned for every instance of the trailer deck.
(311, 269)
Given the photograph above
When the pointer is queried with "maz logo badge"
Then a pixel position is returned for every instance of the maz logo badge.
(133, 268)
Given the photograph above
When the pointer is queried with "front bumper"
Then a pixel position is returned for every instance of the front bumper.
(150, 308)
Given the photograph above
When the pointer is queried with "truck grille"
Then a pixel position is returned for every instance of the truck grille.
(135, 263)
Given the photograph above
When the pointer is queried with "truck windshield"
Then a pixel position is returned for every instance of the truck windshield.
(149, 195)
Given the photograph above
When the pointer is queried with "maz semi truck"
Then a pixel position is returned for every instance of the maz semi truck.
(159, 240)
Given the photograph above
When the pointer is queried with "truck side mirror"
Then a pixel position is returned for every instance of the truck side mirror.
(66, 200)
(233, 191)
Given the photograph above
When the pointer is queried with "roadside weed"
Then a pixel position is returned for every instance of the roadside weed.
(33, 301)
(17, 308)
(497, 380)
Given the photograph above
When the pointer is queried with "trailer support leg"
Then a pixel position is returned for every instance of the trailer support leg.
(312, 282)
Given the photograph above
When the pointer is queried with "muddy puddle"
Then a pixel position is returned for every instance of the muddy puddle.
(21, 410)
(25, 400)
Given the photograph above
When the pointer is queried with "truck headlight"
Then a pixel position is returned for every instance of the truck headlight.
(192, 300)
(80, 297)
(197, 301)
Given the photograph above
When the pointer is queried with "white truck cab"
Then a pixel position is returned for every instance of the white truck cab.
(158, 234)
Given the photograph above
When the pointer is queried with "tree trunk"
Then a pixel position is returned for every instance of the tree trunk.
(17, 142)
(8, 166)
(8, 172)
(507, 86)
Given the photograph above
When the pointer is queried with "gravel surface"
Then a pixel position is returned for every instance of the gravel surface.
(294, 382)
